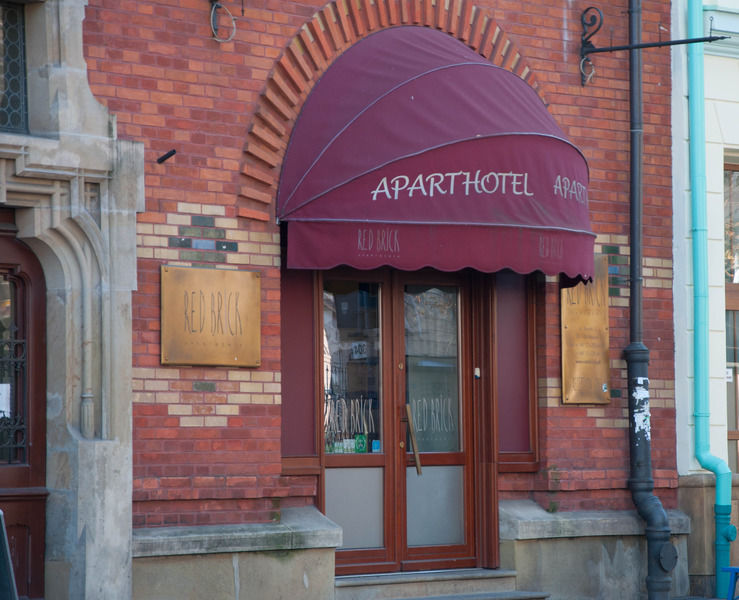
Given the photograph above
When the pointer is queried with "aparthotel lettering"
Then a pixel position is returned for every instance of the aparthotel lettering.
(215, 313)
(469, 183)
(570, 189)
(466, 183)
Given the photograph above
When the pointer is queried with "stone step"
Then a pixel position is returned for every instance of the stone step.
(513, 595)
(464, 584)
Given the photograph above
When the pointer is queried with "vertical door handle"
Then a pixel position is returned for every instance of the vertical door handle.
(412, 431)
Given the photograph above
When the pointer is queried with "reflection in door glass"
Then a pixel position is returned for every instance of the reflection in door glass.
(432, 363)
(6, 309)
(351, 367)
(731, 226)
(732, 383)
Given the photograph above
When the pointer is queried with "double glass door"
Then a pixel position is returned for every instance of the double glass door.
(396, 420)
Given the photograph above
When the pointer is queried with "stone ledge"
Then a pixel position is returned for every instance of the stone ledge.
(526, 520)
(300, 528)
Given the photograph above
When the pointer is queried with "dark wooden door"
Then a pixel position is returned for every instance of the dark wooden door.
(22, 408)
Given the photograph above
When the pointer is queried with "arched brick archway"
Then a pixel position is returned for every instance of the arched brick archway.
(318, 43)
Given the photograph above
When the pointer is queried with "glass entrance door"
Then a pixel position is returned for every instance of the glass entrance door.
(396, 421)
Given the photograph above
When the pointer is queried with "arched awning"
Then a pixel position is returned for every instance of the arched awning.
(412, 150)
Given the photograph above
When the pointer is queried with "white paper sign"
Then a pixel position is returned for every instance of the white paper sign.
(4, 399)
(359, 350)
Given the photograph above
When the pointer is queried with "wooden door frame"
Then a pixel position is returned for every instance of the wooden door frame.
(484, 403)
(731, 303)
(481, 497)
(452, 556)
(365, 560)
(22, 486)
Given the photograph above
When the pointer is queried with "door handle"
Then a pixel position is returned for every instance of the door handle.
(412, 431)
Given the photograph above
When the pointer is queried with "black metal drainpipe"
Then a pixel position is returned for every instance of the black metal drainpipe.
(661, 554)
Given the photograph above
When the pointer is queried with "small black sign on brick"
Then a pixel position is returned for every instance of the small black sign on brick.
(7, 578)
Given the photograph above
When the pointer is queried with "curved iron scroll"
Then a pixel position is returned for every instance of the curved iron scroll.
(592, 20)
(592, 16)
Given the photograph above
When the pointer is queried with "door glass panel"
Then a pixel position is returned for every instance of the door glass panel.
(351, 367)
(731, 226)
(432, 366)
(435, 505)
(12, 379)
(354, 501)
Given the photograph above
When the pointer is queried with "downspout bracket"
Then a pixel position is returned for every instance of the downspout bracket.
(668, 557)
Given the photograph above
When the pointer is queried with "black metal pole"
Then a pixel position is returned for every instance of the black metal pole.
(711, 38)
(661, 555)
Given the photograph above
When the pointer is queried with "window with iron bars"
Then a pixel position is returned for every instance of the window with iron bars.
(13, 371)
(13, 100)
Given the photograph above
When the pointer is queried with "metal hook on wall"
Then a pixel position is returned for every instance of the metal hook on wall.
(587, 70)
(214, 6)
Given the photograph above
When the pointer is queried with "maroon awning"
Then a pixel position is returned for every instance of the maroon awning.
(413, 151)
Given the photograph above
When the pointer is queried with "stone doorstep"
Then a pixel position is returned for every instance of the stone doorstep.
(475, 584)
(490, 596)
(418, 576)
(487, 596)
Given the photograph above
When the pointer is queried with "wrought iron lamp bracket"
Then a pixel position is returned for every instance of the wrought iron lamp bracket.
(592, 20)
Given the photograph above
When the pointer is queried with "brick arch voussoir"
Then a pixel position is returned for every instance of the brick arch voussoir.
(322, 39)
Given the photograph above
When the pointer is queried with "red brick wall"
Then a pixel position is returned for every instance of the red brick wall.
(585, 449)
(207, 440)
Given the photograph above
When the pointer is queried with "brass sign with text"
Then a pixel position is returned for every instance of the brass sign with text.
(585, 339)
(210, 317)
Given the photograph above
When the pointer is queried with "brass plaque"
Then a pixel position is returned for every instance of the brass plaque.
(585, 339)
(210, 317)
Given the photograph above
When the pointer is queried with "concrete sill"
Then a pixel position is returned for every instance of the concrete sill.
(300, 528)
(526, 520)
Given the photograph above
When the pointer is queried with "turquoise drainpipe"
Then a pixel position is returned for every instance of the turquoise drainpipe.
(725, 532)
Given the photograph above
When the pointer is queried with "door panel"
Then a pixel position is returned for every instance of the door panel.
(354, 500)
(435, 505)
